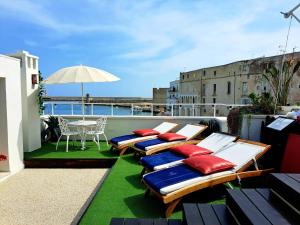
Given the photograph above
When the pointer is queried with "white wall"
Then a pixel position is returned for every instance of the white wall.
(11, 135)
(30, 107)
(121, 125)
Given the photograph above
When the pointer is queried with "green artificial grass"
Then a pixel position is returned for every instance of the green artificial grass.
(47, 151)
(122, 195)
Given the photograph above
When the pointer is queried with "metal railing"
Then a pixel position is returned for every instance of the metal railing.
(139, 109)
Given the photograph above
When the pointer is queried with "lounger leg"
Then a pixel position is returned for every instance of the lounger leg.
(143, 172)
(123, 150)
(171, 207)
(58, 142)
(98, 142)
(147, 192)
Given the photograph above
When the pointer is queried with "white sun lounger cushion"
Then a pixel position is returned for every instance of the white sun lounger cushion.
(239, 153)
(165, 127)
(216, 141)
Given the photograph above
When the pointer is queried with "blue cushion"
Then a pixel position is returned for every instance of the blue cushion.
(142, 145)
(159, 159)
(173, 175)
(116, 140)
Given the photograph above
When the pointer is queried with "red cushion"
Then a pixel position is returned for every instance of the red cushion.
(171, 137)
(207, 164)
(190, 150)
(145, 132)
(290, 162)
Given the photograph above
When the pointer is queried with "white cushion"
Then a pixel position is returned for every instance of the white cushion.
(190, 130)
(216, 141)
(165, 127)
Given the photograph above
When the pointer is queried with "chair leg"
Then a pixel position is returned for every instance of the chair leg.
(98, 142)
(67, 147)
(105, 139)
(58, 142)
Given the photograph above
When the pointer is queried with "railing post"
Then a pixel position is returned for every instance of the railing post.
(214, 110)
(193, 108)
(92, 109)
(131, 109)
(151, 109)
(172, 110)
(112, 109)
(72, 108)
(52, 108)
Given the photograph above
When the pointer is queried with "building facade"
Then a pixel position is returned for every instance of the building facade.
(229, 84)
(173, 92)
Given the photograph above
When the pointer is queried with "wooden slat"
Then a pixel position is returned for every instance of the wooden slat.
(295, 176)
(145, 221)
(131, 221)
(286, 187)
(223, 214)
(192, 215)
(243, 209)
(117, 221)
(265, 207)
(208, 214)
(160, 222)
(174, 222)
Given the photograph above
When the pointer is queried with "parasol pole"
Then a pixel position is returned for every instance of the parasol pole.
(82, 101)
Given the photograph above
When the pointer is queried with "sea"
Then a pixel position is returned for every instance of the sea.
(65, 108)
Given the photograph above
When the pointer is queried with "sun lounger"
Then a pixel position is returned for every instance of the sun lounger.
(122, 143)
(188, 132)
(173, 183)
(214, 143)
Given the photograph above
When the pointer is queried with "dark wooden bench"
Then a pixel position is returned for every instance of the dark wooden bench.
(150, 221)
(205, 214)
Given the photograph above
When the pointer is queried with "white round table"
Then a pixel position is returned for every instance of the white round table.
(82, 125)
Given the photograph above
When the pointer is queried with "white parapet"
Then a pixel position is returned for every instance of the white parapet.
(11, 132)
(30, 106)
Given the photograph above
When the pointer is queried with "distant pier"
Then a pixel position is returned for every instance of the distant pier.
(98, 99)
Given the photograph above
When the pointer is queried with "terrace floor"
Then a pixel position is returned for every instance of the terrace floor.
(122, 192)
(46, 196)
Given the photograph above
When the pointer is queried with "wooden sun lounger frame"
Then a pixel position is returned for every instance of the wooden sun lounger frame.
(147, 170)
(123, 147)
(164, 147)
(172, 199)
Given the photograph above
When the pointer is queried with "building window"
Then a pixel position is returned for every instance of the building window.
(28, 62)
(204, 73)
(182, 77)
(245, 88)
(228, 87)
(34, 63)
(214, 100)
(203, 100)
(203, 89)
(265, 88)
(248, 76)
(215, 89)
(215, 73)
(187, 76)
(234, 73)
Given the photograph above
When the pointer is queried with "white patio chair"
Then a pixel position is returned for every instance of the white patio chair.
(98, 130)
(65, 131)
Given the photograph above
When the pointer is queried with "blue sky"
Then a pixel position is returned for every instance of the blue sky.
(146, 43)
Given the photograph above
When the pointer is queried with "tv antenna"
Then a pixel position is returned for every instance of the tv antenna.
(291, 13)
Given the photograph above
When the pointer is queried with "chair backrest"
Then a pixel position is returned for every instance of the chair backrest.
(101, 123)
(216, 141)
(63, 125)
(165, 127)
(240, 153)
(191, 131)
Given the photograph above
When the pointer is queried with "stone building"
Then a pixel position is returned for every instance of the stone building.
(160, 95)
(173, 92)
(229, 84)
